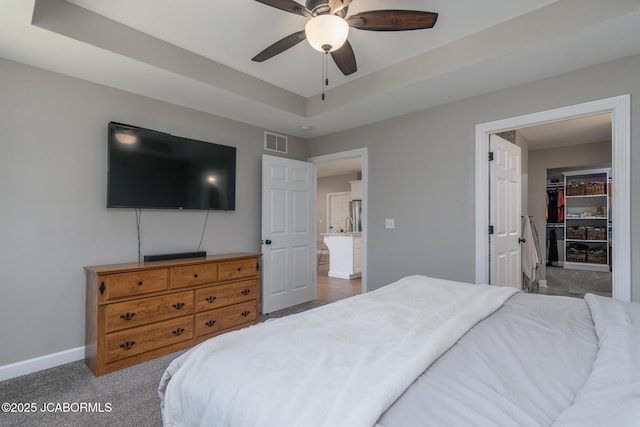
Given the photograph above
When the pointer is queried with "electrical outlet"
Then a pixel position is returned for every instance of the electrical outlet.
(389, 223)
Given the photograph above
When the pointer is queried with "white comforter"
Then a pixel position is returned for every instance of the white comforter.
(611, 394)
(342, 364)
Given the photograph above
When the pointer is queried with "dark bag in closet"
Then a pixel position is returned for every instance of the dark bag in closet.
(553, 247)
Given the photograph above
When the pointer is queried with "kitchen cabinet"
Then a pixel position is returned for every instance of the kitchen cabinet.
(345, 254)
(356, 190)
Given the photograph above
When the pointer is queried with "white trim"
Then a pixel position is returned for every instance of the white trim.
(36, 364)
(620, 109)
(363, 154)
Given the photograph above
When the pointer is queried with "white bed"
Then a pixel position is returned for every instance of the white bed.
(421, 351)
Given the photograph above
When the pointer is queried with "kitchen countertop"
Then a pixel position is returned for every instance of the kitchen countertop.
(358, 233)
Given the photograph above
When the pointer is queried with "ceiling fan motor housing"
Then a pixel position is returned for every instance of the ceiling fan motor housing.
(318, 7)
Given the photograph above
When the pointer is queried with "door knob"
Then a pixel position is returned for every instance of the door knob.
(267, 242)
(521, 240)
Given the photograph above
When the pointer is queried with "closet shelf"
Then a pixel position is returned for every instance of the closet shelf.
(586, 196)
(586, 217)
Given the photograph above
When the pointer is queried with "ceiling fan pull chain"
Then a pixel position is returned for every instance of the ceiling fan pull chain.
(325, 73)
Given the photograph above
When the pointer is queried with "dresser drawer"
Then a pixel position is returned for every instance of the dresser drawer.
(229, 270)
(145, 338)
(190, 275)
(221, 295)
(129, 314)
(212, 321)
(123, 285)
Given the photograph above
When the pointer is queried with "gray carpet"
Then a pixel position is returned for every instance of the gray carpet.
(131, 393)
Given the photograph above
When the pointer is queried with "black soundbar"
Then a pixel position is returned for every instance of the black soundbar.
(164, 257)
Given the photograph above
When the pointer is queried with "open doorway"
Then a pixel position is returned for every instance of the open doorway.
(566, 197)
(341, 191)
(619, 107)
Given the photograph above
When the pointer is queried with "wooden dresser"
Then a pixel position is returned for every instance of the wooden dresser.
(139, 311)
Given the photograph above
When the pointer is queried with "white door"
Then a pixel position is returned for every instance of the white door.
(337, 211)
(504, 213)
(288, 235)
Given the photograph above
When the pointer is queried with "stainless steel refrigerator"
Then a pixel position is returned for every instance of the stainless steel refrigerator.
(355, 210)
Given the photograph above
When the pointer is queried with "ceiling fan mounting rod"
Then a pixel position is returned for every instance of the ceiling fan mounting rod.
(318, 7)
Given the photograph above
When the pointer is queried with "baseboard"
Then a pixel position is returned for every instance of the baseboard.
(340, 275)
(542, 283)
(36, 364)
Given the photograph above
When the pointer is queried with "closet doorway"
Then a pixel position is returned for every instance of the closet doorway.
(569, 172)
(619, 109)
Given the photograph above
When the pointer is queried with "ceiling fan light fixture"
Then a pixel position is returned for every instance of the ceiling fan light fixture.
(326, 33)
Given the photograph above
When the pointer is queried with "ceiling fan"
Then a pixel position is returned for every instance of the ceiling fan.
(327, 27)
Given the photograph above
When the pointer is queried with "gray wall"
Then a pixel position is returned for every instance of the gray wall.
(597, 153)
(421, 171)
(53, 216)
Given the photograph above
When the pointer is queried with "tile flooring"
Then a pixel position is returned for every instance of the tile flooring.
(576, 283)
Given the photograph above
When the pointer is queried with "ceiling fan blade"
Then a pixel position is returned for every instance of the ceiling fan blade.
(393, 20)
(280, 46)
(288, 6)
(345, 59)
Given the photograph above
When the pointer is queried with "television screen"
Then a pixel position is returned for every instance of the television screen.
(155, 170)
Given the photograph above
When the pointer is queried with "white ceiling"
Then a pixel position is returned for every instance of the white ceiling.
(197, 53)
(583, 130)
(339, 167)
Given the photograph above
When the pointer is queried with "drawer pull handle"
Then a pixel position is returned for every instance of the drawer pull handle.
(239, 268)
(127, 345)
(245, 313)
(127, 316)
(195, 276)
(210, 323)
(178, 305)
(210, 299)
(246, 292)
(140, 282)
(178, 331)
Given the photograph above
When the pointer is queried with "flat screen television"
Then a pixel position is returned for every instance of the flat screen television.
(155, 170)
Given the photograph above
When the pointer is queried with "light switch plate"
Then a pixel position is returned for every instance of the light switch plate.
(389, 223)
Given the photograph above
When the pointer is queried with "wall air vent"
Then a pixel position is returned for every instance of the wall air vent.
(275, 142)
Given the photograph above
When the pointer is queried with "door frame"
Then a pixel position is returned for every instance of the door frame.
(363, 154)
(620, 109)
